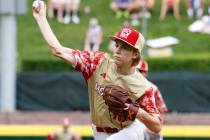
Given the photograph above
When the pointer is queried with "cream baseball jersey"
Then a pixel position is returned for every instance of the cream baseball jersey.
(99, 70)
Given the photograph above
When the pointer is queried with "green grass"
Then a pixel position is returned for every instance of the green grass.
(31, 44)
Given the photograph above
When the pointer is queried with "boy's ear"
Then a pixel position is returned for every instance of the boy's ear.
(135, 54)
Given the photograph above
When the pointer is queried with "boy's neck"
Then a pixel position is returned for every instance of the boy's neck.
(126, 70)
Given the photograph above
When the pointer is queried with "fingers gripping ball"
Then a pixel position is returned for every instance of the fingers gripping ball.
(117, 99)
(36, 6)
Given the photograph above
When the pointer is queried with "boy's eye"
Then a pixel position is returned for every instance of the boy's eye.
(122, 46)
(116, 45)
(125, 47)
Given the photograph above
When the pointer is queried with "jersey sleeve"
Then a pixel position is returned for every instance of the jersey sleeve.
(87, 62)
(147, 102)
(160, 102)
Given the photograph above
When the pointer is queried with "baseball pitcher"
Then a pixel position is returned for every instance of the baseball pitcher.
(121, 99)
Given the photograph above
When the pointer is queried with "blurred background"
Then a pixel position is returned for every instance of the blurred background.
(37, 90)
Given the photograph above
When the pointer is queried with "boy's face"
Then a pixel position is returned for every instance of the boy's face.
(124, 54)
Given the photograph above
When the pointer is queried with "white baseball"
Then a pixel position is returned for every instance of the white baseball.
(37, 5)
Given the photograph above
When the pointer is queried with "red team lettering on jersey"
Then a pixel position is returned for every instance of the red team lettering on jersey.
(87, 62)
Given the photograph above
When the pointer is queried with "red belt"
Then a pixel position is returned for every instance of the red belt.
(107, 129)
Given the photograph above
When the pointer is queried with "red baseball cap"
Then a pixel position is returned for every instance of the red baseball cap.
(131, 37)
(142, 66)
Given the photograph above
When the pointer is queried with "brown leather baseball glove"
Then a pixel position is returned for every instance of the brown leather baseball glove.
(116, 99)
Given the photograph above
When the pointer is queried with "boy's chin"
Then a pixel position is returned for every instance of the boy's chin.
(117, 63)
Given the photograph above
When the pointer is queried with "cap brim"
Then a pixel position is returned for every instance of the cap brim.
(113, 38)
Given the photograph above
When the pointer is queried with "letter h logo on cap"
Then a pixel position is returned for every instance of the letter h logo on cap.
(125, 33)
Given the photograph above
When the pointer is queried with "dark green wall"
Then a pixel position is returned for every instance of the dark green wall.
(68, 91)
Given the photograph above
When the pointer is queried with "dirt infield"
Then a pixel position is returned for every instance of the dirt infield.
(84, 118)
